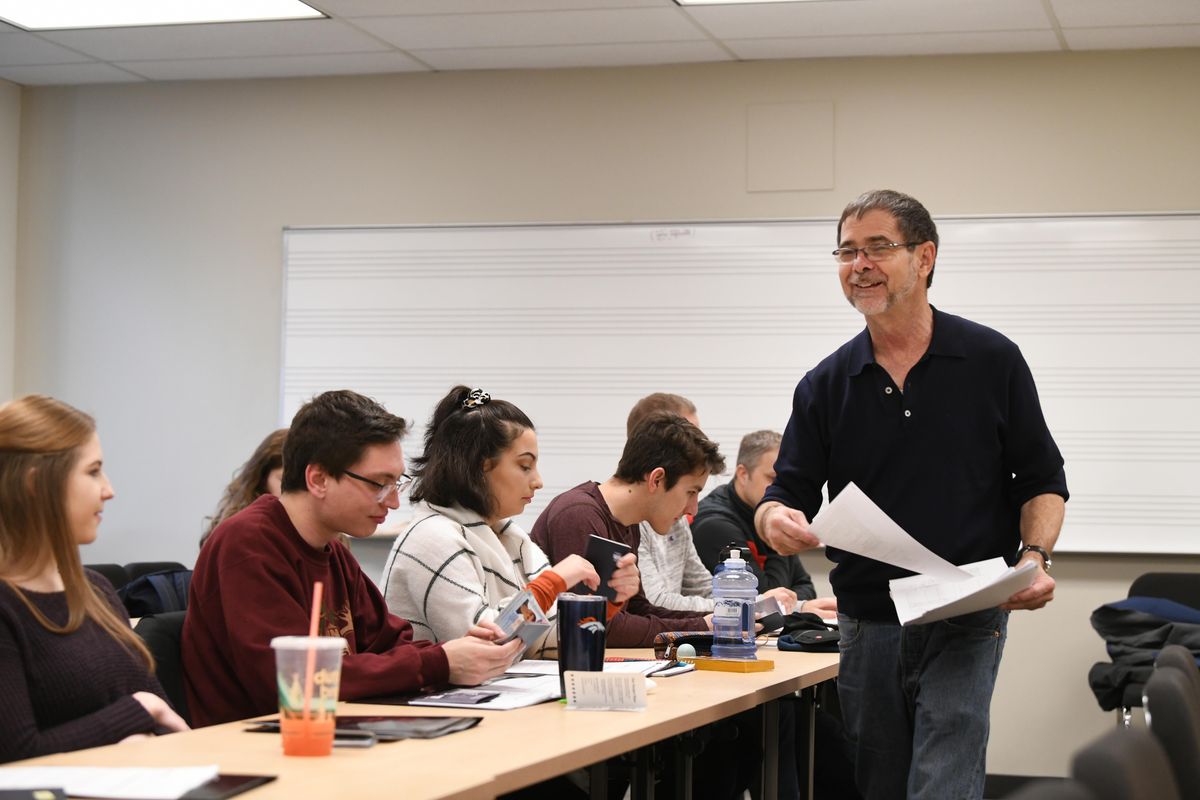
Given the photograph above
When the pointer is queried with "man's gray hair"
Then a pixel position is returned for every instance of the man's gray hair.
(913, 219)
(754, 445)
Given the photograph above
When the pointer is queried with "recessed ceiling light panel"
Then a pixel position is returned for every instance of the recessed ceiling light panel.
(39, 15)
(737, 2)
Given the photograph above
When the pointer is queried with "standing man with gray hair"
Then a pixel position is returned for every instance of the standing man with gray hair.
(937, 420)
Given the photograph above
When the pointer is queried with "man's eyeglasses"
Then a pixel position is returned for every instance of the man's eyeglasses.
(880, 251)
(385, 489)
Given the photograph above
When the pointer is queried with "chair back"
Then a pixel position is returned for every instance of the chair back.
(1182, 587)
(1176, 656)
(1053, 789)
(115, 573)
(163, 635)
(139, 568)
(1173, 713)
(157, 593)
(1126, 764)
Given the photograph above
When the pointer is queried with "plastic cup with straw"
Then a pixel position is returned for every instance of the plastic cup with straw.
(307, 704)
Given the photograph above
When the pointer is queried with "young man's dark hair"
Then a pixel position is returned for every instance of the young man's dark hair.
(467, 430)
(665, 439)
(332, 430)
(913, 219)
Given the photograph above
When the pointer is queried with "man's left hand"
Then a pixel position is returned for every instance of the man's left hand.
(1040, 592)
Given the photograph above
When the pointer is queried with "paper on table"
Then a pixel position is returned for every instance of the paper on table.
(513, 690)
(639, 667)
(128, 783)
(922, 598)
(853, 523)
(533, 666)
(605, 691)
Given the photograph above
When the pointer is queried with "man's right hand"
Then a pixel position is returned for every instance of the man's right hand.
(784, 529)
(473, 660)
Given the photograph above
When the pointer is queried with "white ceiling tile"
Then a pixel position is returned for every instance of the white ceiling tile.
(273, 66)
(387, 8)
(532, 29)
(229, 40)
(28, 49)
(62, 74)
(859, 17)
(596, 55)
(1125, 38)
(1101, 13)
(894, 45)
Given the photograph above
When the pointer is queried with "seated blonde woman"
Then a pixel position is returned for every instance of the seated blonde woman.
(72, 672)
(462, 559)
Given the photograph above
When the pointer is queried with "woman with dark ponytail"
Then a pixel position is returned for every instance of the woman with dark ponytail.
(462, 558)
(72, 672)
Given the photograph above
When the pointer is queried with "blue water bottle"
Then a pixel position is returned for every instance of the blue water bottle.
(735, 590)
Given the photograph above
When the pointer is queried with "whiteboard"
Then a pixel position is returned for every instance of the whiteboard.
(574, 323)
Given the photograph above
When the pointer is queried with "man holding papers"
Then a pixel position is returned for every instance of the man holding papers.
(937, 420)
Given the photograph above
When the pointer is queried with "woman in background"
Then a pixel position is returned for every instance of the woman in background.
(462, 558)
(73, 674)
(258, 476)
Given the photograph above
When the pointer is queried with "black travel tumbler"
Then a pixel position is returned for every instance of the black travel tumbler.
(580, 634)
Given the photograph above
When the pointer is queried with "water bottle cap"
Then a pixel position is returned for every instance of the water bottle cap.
(735, 558)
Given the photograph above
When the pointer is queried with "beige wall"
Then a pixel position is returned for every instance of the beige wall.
(150, 238)
(10, 127)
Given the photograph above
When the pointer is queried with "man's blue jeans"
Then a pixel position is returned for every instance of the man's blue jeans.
(916, 702)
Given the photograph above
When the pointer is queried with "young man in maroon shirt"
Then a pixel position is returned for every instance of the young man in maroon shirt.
(343, 469)
(664, 466)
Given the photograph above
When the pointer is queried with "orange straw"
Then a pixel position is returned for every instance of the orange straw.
(314, 620)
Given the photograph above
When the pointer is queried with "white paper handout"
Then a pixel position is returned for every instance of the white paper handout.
(940, 590)
(922, 598)
(853, 523)
(605, 691)
(129, 783)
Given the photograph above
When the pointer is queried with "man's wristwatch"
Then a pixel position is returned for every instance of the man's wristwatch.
(1041, 551)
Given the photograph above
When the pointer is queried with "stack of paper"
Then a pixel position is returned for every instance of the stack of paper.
(128, 783)
(939, 590)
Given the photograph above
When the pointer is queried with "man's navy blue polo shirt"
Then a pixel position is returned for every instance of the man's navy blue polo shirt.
(951, 459)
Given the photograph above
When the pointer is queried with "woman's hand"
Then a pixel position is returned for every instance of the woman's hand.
(164, 716)
(576, 569)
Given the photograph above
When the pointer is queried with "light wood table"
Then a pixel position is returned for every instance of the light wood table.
(508, 750)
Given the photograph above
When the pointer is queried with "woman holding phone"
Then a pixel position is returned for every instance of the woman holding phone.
(462, 559)
(72, 672)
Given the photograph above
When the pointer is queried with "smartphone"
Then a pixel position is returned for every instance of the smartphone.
(342, 737)
(347, 738)
(224, 786)
(604, 555)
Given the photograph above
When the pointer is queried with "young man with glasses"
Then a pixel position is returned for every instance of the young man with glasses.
(343, 469)
(937, 420)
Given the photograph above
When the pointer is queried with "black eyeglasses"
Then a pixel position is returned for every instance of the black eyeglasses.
(385, 489)
(880, 251)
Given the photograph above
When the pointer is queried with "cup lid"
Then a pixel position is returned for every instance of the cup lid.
(308, 643)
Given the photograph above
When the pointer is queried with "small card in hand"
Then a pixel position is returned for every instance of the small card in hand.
(604, 555)
(522, 619)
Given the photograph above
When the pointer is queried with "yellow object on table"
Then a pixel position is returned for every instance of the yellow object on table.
(731, 664)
